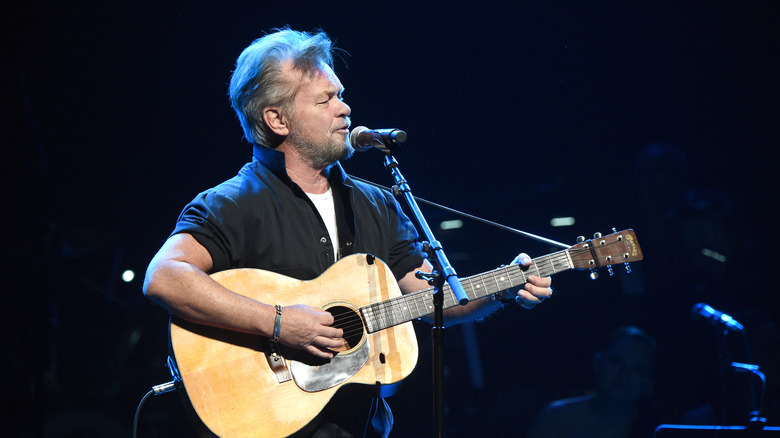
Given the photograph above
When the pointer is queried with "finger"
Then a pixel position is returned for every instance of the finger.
(541, 293)
(523, 259)
(525, 303)
(528, 297)
(325, 354)
(332, 332)
(328, 343)
(542, 282)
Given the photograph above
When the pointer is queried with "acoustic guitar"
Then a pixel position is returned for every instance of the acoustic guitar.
(242, 385)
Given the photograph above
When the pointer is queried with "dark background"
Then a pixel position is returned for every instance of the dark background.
(658, 116)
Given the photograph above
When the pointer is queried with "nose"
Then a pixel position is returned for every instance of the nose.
(345, 110)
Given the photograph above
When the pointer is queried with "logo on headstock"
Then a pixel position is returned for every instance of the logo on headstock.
(631, 244)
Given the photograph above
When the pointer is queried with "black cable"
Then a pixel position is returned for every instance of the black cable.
(159, 389)
(156, 390)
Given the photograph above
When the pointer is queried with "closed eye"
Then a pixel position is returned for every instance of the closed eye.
(331, 96)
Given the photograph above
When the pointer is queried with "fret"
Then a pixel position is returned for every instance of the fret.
(470, 284)
(391, 314)
(397, 311)
(569, 261)
(394, 311)
(449, 297)
(427, 296)
(542, 266)
(519, 270)
(417, 306)
(507, 278)
(508, 274)
(495, 280)
(407, 309)
(408, 315)
(381, 316)
(368, 317)
(479, 286)
(376, 313)
(502, 282)
(402, 312)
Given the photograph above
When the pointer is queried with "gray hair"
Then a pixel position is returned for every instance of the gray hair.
(257, 81)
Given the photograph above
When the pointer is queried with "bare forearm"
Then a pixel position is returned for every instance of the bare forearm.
(189, 293)
(177, 279)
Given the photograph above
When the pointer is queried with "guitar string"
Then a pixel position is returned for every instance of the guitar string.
(390, 311)
(505, 282)
(397, 310)
(352, 323)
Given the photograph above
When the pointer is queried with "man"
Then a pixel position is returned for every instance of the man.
(620, 404)
(292, 210)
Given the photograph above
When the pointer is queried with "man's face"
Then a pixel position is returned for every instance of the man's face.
(624, 371)
(319, 119)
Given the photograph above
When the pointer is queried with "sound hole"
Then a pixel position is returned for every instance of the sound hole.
(349, 321)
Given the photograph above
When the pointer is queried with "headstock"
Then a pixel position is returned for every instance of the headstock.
(601, 251)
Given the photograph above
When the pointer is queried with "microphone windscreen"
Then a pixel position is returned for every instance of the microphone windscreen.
(354, 138)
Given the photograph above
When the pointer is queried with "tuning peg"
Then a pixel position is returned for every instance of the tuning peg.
(609, 269)
(593, 274)
(597, 235)
(580, 239)
(628, 267)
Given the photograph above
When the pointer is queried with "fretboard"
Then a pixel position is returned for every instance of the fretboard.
(379, 316)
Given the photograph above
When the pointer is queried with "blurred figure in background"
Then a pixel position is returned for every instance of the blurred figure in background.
(620, 404)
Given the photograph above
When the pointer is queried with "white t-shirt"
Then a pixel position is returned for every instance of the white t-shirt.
(325, 206)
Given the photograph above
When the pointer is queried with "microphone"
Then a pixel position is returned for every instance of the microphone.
(386, 140)
(715, 317)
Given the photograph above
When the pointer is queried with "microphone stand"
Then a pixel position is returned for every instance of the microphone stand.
(443, 271)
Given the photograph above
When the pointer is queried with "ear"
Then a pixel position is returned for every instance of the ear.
(276, 120)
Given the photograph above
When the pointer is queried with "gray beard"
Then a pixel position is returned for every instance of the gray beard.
(321, 156)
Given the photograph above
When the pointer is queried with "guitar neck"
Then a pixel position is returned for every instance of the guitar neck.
(409, 307)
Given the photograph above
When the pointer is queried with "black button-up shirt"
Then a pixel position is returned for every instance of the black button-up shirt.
(261, 219)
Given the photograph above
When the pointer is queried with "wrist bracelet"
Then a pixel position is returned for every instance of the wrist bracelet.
(277, 323)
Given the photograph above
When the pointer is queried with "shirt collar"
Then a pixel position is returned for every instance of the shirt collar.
(274, 160)
(271, 159)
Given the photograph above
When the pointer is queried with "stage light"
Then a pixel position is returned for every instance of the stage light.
(128, 276)
(713, 255)
(451, 225)
(562, 221)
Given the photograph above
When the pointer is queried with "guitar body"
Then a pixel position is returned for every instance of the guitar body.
(229, 378)
(240, 386)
